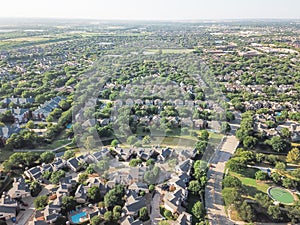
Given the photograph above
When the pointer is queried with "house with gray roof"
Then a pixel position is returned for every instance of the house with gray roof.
(9, 208)
(45, 109)
(129, 220)
(134, 204)
(81, 194)
(20, 189)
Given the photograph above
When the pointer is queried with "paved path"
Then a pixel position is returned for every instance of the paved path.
(213, 196)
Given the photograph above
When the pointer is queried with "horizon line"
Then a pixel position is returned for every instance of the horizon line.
(151, 20)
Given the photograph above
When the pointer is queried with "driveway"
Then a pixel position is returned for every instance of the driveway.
(155, 216)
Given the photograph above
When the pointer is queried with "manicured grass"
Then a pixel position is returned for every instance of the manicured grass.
(251, 186)
(281, 195)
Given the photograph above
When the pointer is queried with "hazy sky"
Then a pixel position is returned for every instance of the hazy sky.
(151, 9)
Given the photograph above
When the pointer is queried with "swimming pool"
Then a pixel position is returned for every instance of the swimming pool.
(76, 218)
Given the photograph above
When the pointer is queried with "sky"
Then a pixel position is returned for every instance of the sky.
(152, 9)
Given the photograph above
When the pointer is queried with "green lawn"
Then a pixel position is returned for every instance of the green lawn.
(251, 186)
(173, 141)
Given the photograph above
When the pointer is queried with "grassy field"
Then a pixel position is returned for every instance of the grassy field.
(174, 141)
(251, 186)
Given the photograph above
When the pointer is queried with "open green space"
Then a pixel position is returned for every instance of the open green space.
(281, 195)
(251, 185)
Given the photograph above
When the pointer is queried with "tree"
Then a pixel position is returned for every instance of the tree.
(35, 188)
(55, 176)
(230, 195)
(288, 183)
(293, 156)
(168, 214)
(276, 177)
(68, 203)
(225, 127)
(117, 210)
(146, 140)
(83, 177)
(143, 214)
(69, 154)
(114, 196)
(108, 216)
(294, 212)
(151, 188)
(200, 146)
(94, 194)
(278, 144)
(275, 212)
(30, 124)
(232, 182)
(280, 166)
(151, 176)
(263, 200)
(90, 169)
(40, 202)
(96, 220)
(198, 210)
(204, 135)
(249, 142)
(260, 175)
(246, 212)
(285, 133)
(135, 162)
(47, 157)
(150, 162)
(114, 143)
(132, 140)
(194, 186)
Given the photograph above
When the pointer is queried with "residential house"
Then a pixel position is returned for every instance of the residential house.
(75, 164)
(81, 194)
(184, 167)
(51, 213)
(138, 186)
(45, 109)
(124, 154)
(58, 164)
(164, 153)
(133, 204)
(9, 208)
(184, 219)
(34, 173)
(19, 189)
(129, 220)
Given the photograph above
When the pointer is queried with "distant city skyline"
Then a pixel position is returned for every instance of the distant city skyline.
(152, 10)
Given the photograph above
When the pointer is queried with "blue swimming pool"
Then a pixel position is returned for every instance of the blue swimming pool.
(76, 218)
